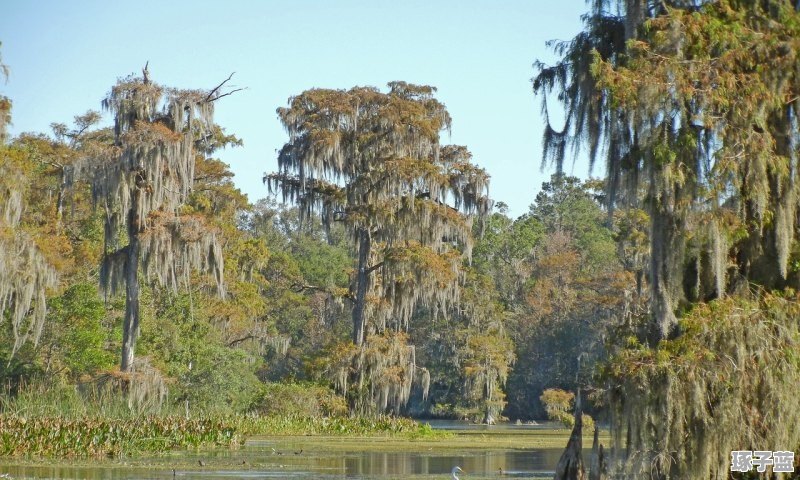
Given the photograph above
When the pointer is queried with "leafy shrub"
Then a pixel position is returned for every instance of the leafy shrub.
(559, 406)
(75, 325)
(220, 382)
(304, 399)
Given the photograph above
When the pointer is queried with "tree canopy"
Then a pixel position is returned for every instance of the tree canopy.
(374, 162)
(692, 106)
(141, 181)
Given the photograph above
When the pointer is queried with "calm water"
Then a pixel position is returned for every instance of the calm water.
(338, 459)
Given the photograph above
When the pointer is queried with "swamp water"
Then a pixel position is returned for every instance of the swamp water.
(505, 451)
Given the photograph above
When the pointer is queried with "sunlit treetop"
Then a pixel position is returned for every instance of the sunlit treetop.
(142, 179)
(364, 154)
(374, 161)
(693, 106)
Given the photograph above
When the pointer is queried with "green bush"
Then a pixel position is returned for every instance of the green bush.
(221, 382)
(75, 326)
(559, 406)
(304, 399)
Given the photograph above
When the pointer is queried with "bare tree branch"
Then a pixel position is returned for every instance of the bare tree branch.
(227, 93)
(215, 94)
(374, 267)
(237, 341)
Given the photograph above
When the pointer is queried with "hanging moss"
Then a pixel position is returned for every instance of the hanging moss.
(25, 273)
(374, 162)
(693, 105)
(729, 382)
(385, 369)
(174, 245)
(25, 277)
(141, 182)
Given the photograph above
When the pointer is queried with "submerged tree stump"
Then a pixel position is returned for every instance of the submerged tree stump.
(570, 465)
(597, 462)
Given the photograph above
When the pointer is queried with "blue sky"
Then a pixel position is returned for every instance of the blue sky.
(64, 57)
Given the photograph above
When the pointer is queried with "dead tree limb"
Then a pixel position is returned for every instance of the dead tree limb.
(215, 94)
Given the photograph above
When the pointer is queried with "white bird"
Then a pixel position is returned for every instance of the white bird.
(455, 470)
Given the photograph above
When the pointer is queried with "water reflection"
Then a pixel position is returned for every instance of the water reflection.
(339, 459)
(456, 425)
(361, 465)
(482, 463)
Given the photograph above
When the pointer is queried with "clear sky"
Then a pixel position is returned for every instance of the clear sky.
(65, 55)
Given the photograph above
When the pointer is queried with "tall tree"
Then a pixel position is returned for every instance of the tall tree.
(694, 106)
(25, 272)
(569, 295)
(141, 182)
(487, 353)
(373, 161)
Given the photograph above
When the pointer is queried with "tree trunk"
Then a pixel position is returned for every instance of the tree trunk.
(362, 284)
(570, 465)
(130, 325)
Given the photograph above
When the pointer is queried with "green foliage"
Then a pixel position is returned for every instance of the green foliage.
(487, 352)
(468, 355)
(567, 204)
(77, 333)
(97, 437)
(373, 162)
(220, 381)
(557, 401)
(727, 383)
(96, 397)
(321, 264)
(299, 399)
(505, 250)
(100, 437)
(559, 406)
(569, 298)
(695, 108)
(295, 424)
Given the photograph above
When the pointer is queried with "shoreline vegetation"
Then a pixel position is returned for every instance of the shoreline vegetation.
(64, 423)
(146, 442)
(95, 421)
(59, 437)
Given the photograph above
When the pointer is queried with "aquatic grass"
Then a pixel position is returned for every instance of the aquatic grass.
(40, 420)
(88, 437)
(48, 436)
(294, 424)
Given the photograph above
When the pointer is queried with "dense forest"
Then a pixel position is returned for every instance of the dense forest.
(378, 277)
